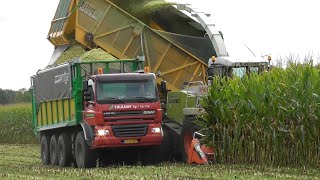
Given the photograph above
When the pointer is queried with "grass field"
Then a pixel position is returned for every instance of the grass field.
(22, 162)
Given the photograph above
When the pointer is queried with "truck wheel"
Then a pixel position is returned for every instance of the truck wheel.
(188, 128)
(166, 149)
(64, 150)
(85, 157)
(53, 150)
(44, 148)
(158, 154)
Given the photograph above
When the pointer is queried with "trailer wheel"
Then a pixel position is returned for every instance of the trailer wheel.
(44, 148)
(85, 157)
(53, 150)
(64, 150)
(188, 128)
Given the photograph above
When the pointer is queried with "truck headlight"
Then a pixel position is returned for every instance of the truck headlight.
(156, 130)
(103, 132)
(149, 112)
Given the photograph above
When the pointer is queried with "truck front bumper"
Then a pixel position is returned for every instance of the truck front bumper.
(107, 136)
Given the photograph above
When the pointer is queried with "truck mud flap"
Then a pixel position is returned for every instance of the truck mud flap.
(88, 132)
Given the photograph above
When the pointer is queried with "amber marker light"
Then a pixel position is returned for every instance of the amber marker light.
(213, 58)
(146, 69)
(100, 71)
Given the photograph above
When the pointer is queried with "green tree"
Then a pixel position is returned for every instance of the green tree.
(11, 94)
(22, 95)
(4, 97)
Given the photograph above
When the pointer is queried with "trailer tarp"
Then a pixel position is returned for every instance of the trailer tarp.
(53, 84)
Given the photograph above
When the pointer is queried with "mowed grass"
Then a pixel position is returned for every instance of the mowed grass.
(23, 162)
(16, 124)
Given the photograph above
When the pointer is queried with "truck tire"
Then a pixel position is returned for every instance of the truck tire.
(44, 150)
(188, 129)
(85, 157)
(54, 150)
(161, 153)
(166, 148)
(64, 150)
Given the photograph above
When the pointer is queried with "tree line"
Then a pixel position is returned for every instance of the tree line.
(8, 96)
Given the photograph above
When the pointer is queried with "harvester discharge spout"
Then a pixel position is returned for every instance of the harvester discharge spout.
(177, 40)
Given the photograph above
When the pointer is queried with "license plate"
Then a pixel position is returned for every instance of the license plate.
(130, 141)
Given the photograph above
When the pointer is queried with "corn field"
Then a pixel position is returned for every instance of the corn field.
(271, 118)
(16, 124)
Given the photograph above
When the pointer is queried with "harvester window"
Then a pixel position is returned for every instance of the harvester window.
(242, 71)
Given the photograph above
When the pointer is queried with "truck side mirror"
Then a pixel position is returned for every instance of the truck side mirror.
(87, 94)
(85, 85)
(164, 86)
(87, 98)
(86, 91)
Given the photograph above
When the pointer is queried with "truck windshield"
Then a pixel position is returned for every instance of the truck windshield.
(127, 91)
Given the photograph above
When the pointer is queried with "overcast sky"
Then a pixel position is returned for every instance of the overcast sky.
(276, 27)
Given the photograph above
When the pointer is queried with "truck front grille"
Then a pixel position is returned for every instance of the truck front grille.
(134, 130)
(127, 116)
(123, 113)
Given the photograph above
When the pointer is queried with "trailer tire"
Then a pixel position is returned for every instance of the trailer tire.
(85, 157)
(54, 150)
(64, 150)
(188, 128)
(44, 150)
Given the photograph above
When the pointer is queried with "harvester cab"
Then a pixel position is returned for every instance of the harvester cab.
(228, 67)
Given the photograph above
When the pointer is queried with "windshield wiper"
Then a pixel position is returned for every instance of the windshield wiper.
(141, 97)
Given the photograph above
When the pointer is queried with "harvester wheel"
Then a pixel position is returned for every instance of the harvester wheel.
(44, 148)
(85, 157)
(64, 150)
(54, 150)
(188, 128)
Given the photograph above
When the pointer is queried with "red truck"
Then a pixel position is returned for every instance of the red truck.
(77, 115)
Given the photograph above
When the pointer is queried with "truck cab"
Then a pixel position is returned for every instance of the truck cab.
(124, 109)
